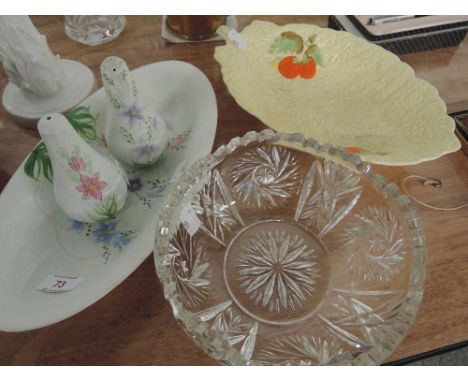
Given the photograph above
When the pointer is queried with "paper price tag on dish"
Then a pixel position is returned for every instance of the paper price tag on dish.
(190, 219)
(178, 171)
(59, 284)
(237, 39)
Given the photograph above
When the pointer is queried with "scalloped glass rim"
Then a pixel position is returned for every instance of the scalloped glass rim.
(213, 343)
(409, 152)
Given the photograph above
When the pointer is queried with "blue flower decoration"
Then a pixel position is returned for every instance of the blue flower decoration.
(104, 233)
(135, 185)
(145, 152)
(77, 226)
(155, 191)
(133, 113)
(121, 241)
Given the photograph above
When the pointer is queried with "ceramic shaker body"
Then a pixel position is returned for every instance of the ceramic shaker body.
(135, 133)
(88, 186)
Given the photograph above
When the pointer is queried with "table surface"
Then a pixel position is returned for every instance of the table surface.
(133, 324)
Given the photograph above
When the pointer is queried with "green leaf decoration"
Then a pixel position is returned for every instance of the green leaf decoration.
(107, 210)
(38, 163)
(287, 43)
(83, 122)
(314, 52)
(109, 80)
(128, 136)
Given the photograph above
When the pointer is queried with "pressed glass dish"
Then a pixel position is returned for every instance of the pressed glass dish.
(272, 256)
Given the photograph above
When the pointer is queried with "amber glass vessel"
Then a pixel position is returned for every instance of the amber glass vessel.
(194, 28)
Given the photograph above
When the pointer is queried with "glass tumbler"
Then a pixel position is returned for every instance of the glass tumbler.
(194, 28)
(94, 30)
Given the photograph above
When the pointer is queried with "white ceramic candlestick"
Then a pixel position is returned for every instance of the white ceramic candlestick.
(135, 133)
(88, 186)
(40, 82)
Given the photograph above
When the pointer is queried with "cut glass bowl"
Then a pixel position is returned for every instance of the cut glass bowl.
(270, 256)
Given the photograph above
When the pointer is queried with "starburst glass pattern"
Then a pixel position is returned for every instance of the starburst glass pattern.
(358, 323)
(327, 195)
(190, 268)
(238, 333)
(277, 270)
(375, 245)
(217, 207)
(301, 350)
(265, 176)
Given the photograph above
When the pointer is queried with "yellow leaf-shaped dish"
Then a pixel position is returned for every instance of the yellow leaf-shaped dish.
(339, 89)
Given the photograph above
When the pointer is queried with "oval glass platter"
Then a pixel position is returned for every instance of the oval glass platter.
(39, 240)
(272, 256)
(337, 88)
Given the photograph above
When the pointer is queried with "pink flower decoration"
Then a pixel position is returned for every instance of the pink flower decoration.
(176, 142)
(76, 163)
(91, 186)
